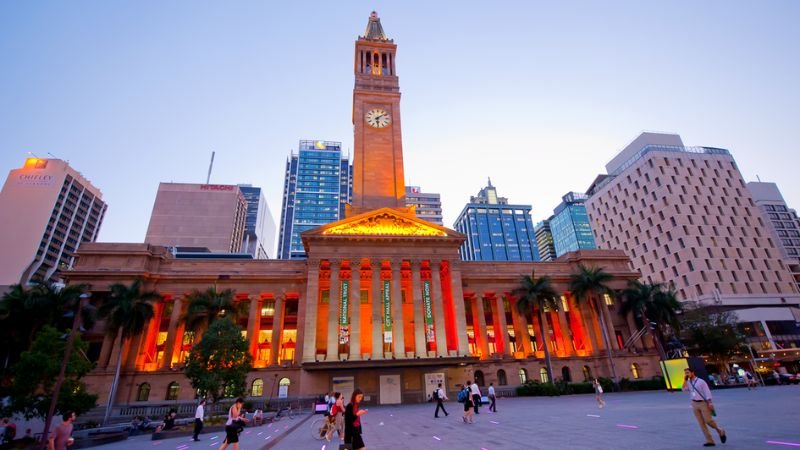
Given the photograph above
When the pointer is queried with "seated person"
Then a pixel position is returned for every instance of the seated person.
(169, 421)
(258, 417)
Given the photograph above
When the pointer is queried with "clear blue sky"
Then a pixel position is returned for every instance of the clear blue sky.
(539, 96)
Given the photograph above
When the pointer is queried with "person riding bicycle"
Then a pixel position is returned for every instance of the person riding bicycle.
(336, 417)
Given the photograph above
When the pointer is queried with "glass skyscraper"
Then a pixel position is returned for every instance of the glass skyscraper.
(318, 185)
(544, 240)
(495, 230)
(259, 226)
(570, 225)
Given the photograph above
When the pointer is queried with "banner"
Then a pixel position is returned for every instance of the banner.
(387, 312)
(344, 315)
(430, 334)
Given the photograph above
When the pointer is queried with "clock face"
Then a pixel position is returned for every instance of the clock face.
(377, 118)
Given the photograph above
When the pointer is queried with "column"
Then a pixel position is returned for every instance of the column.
(588, 325)
(134, 344)
(460, 311)
(419, 319)
(546, 332)
(108, 350)
(277, 329)
(438, 309)
(253, 325)
(397, 312)
(333, 314)
(520, 329)
(479, 318)
(501, 326)
(566, 333)
(612, 335)
(377, 310)
(174, 319)
(355, 308)
(310, 323)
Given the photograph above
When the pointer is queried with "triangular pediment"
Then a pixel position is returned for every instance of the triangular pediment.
(384, 222)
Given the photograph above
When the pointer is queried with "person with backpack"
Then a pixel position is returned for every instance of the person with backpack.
(466, 396)
(439, 396)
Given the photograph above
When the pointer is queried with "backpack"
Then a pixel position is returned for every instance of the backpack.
(462, 396)
(436, 394)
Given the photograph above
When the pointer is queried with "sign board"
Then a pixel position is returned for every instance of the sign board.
(430, 334)
(344, 314)
(387, 312)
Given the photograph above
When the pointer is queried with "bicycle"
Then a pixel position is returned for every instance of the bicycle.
(286, 411)
(320, 428)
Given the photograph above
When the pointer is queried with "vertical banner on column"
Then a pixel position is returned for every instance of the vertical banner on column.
(344, 315)
(430, 334)
(387, 312)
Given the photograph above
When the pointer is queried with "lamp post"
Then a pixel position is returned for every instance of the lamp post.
(76, 321)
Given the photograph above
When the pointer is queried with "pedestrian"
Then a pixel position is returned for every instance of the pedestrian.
(439, 396)
(468, 403)
(10, 431)
(233, 425)
(702, 406)
(751, 380)
(199, 415)
(476, 395)
(336, 417)
(330, 399)
(492, 398)
(61, 436)
(598, 393)
(352, 421)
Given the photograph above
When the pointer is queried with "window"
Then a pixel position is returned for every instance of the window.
(636, 371)
(501, 378)
(587, 373)
(144, 392)
(479, 379)
(543, 375)
(523, 376)
(172, 391)
(257, 388)
(566, 375)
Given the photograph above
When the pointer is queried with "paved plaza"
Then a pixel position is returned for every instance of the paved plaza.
(762, 418)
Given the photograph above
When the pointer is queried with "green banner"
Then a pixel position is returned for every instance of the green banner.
(344, 316)
(387, 311)
(430, 334)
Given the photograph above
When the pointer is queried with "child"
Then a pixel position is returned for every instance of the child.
(598, 393)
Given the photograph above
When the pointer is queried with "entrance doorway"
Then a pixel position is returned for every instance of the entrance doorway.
(390, 389)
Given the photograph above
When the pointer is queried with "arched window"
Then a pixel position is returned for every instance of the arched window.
(144, 392)
(501, 378)
(479, 378)
(523, 376)
(284, 382)
(172, 390)
(543, 375)
(587, 373)
(636, 371)
(257, 388)
(283, 387)
(566, 375)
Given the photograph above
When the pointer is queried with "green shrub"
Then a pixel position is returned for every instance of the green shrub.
(653, 384)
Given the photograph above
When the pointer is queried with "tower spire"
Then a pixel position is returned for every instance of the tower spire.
(374, 31)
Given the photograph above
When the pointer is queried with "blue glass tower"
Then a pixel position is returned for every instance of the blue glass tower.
(318, 184)
(495, 230)
(259, 226)
(570, 225)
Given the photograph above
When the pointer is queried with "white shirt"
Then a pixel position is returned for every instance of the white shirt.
(700, 387)
(491, 391)
(474, 389)
(199, 412)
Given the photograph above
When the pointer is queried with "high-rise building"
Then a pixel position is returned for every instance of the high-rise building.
(317, 186)
(685, 216)
(544, 240)
(570, 226)
(782, 222)
(47, 209)
(199, 216)
(427, 206)
(259, 226)
(496, 230)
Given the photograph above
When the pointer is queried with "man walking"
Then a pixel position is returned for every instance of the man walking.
(492, 398)
(476, 395)
(439, 396)
(702, 406)
(199, 414)
(61, 437)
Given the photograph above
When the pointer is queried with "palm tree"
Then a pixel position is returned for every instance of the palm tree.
(207, 306)
(537, 293)
(126, 313)
(652, 303)
(589, 284)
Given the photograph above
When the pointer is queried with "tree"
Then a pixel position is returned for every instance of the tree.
(36, 372)
(537, 293)
(589, 285)
(207, 306)
(126, 313)
(219, 364)
(652, 303)
(712, 334)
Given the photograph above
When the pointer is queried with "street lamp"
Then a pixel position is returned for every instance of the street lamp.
(76, 321)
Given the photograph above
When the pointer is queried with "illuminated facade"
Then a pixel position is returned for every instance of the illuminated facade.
(383, 301)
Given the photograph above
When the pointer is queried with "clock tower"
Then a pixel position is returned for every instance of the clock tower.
(378, 150)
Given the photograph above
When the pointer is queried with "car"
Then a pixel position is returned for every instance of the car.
(785, 378)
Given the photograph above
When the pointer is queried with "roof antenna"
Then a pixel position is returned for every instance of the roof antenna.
(758, 178)
(210, 166)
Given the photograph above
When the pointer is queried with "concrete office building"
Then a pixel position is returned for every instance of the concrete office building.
(427, 206)
(495, 229)
(685, 216)
(317, 186)
(782, 222)
(570, 226)
(259, 226)
(544, 240)
(47, 210)
(210, 216)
